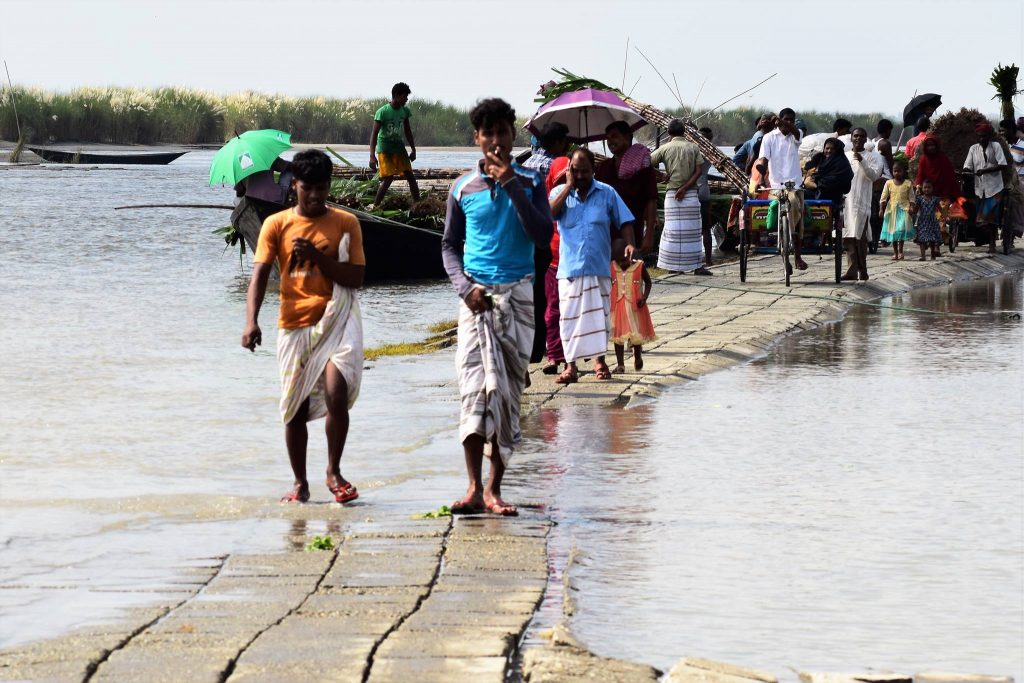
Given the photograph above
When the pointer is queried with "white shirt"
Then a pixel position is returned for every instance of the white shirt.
(886, 169)
(783, 155)
(857, 212)
(990, 184)
(1017, 152)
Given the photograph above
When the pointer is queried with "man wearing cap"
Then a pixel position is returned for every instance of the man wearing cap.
(987, 161)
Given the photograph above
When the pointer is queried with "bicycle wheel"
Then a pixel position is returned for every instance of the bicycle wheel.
(743, 254)
(838, 244)
(784, 239)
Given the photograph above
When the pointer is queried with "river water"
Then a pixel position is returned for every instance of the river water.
(875, 521)
(853, 499)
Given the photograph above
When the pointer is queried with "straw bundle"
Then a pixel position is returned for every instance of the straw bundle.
(955, 131)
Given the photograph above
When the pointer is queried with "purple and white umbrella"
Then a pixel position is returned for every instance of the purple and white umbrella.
(587, 113)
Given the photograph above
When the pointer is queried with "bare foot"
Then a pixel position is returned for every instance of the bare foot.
(495, 505)
(470, 504)
(298, 494)
(619, 369)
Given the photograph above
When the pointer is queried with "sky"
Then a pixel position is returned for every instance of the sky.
(858, 55)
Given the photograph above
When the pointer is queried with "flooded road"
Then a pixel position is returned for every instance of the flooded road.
(852, 500)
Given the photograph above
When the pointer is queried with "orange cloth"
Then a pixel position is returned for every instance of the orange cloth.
(556, 175)
(306, 291)
(630, 323)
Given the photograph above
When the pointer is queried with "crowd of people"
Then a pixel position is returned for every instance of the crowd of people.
(868, 182)
(546, 257)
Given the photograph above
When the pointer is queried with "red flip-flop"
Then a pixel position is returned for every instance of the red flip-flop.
(344, 492)
(293, 496)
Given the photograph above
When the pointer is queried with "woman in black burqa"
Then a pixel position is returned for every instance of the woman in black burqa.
(829, 177)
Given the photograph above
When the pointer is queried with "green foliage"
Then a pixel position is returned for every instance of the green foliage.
(1004, 80)
(443, 511)
(232, 238)
(185, 116)
(320, 543)
(571, 83)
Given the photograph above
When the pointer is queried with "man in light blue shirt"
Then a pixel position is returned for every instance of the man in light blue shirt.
(588, 213)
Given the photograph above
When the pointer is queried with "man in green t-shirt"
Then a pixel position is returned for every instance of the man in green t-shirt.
(387, 146)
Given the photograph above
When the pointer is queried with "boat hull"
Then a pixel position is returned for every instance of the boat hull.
(61, 156)
(393, 251)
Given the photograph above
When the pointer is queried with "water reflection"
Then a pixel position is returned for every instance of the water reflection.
(851, 500)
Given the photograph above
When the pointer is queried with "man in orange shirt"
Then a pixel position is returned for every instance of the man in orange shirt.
(319, 252)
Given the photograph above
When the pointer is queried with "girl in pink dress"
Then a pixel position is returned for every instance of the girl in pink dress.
(631, 318)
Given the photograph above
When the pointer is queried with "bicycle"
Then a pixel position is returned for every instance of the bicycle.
(785, 230)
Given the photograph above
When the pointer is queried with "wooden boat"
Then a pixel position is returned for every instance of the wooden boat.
(394, 251)
(63, 156)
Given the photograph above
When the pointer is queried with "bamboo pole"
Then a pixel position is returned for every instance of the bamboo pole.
(722, 163)
(363, 173)
(175, 206)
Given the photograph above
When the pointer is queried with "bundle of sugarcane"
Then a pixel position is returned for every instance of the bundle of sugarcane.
(364, 173)
(733, 173)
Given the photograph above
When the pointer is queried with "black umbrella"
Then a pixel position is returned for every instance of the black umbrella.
(915, 108)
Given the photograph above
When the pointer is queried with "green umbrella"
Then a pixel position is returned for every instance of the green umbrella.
(251, 152)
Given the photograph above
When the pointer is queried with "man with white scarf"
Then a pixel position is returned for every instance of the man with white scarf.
(497, 213)
(587, 211)
(867, 168)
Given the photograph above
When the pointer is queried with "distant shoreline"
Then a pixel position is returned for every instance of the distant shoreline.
(7, 146)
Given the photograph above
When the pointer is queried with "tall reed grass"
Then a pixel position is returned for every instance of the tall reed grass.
(186, 116)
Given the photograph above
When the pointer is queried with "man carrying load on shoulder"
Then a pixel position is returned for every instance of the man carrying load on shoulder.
(497, 215)
(319, 252)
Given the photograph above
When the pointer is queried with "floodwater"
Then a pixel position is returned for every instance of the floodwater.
(874, 521)
(136, 433)
(853, 499)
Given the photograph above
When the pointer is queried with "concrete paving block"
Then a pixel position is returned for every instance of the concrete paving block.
(290, 648)
(441, 619)
(287, 564)
(863, 677)
(366, 606)
(441, 669)
(45, 672)
(470, 601)
(195, 665)
(71, 649)
(344, 670)
(951, 677)
(455, 643)
(571, 665)
(730, 669)
(241, 585)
